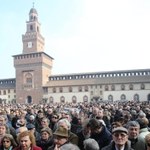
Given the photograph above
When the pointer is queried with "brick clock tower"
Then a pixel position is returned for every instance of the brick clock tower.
(33, 66)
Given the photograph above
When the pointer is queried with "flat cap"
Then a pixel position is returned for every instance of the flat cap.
(120, 129)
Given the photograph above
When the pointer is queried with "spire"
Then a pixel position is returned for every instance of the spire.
(33, 4)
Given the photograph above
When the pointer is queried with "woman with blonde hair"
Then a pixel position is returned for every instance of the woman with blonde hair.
(26, 141)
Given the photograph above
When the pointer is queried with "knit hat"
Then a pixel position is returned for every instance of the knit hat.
(48, 130)
(62, 132)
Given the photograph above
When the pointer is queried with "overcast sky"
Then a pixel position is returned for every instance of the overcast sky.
(81, 35)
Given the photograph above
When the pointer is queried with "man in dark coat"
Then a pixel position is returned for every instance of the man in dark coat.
(99, 132)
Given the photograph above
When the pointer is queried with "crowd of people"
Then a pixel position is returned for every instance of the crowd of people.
(75, 126)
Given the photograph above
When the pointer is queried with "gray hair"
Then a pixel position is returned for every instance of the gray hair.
(66, 122)
(69, 146)
(133, 124)
(90, 144)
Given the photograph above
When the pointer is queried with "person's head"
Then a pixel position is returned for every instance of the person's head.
(3, 119)
(143, 122)
(147, 140)
(40, 114)
(8, 141)
(46, 133)
(20, 130)
(21, 122)
(26, 139)
(64, 123)
(69, 146)
(133, 129)
(45, 122)
(31, 127)
(86, 129)
(55, 118)
(120, 136)
(116, 124)
(3, 129)
(31, 117)
(90, 144)
(60, 136)
(95, 125)
(50, 110)
(95, 110)
(100, 114)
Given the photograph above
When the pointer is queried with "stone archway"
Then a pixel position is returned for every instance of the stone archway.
(29, 99)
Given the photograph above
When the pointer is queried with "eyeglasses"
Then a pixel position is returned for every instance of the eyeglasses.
(6, 141)
(119, 134)
(54, 117)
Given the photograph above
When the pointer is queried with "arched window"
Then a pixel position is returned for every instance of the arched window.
(136, 97)
(142, 86)
(86, 88)
(4, 92)
(70, 89)
(80, 88)
(123, 97)
(51, 99)
(54, 90)
(28, 77)
(148, 97)
(62, 99)
(113, 87)
(106, 88)
(110, 97)
(31, 27)
(74, 99)
(131, 86)
(60, 89)
(85, 98)
(122, 87)
(29, 99)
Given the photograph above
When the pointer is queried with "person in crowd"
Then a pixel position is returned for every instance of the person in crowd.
(104, 116)
(10, 129)
(45, 123)
(85, 133)
(8, 142)
(38, 120)
(120, 140)
(31, 128)
(20, 130)
(94, 112)
(49, 113)
(143, 126)
(90, 144)
(17, 115)
(137, 143)
(60, 138)
(46, 138)
(31, 119)
(69, 146)
(3, 131)
(26, 141)
(147, 140)
(73, 138)
(54, 120)
(21, 122)
(99, 132)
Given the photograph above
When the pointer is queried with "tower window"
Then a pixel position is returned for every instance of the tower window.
(31, 27)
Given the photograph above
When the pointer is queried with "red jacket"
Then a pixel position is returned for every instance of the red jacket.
(32, 148)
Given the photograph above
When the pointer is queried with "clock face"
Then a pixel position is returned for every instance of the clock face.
(29, 44)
